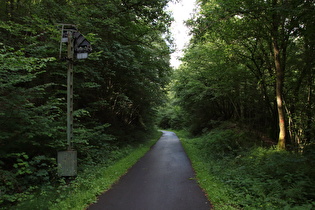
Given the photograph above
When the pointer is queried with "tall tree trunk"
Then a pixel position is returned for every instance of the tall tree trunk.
(279, 96)
(279, 67)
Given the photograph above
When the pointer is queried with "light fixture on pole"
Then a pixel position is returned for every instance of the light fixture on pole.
(82, 46)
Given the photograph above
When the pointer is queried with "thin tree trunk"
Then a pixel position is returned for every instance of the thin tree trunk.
(279, 67)
(308, 132)
(279, 96)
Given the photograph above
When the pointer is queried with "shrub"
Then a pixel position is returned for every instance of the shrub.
(223, 143)
(22, 174)
(251, 176)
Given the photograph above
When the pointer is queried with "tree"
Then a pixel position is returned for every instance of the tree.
(116, 90)
(262, 39)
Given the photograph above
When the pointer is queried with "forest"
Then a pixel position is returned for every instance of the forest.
(245, 92)
(248, 69)
(252, 62)
(116, 90)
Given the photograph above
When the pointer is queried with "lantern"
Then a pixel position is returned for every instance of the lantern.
(82, 46)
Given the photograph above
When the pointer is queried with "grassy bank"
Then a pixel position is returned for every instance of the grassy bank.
(237, 172)
(90, 183)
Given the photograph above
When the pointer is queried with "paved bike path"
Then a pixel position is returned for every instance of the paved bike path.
(161, 180)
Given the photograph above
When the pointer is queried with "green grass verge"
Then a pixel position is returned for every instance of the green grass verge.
(237, 172)
(218, 194)
(89, 184)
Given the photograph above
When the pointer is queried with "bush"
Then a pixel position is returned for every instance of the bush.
(251, 176)
(170, 117)
(221, 143)
(92, 181)
(22, 174)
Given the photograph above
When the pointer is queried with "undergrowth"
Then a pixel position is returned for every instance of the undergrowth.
(238, 173)
(92, 181)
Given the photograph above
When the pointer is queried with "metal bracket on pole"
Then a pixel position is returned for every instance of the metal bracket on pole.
(61, 41)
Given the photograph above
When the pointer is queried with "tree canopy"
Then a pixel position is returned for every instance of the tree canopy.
(116, 90)
(251, 61)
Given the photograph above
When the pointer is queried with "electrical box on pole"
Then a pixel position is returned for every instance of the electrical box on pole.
(79, 46)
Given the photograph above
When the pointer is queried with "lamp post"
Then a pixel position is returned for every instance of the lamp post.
(77, 44)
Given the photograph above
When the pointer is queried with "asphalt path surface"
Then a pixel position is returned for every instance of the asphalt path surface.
(161, 180)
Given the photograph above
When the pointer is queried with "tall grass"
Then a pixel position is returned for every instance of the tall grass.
(238, 173)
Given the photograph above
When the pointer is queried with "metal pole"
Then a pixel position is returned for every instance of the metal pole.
(70, 90)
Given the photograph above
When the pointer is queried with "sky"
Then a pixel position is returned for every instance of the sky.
(182, 11)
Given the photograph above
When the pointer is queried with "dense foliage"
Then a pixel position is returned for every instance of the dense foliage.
(90, 183)
(116, 90)
(251, 61)
(238, 172)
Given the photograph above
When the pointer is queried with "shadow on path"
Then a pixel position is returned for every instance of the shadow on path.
(163, 179)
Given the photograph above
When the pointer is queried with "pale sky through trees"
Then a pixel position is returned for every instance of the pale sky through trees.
(182, 11)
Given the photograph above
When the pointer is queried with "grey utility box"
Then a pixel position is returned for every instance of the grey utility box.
(67, 163)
